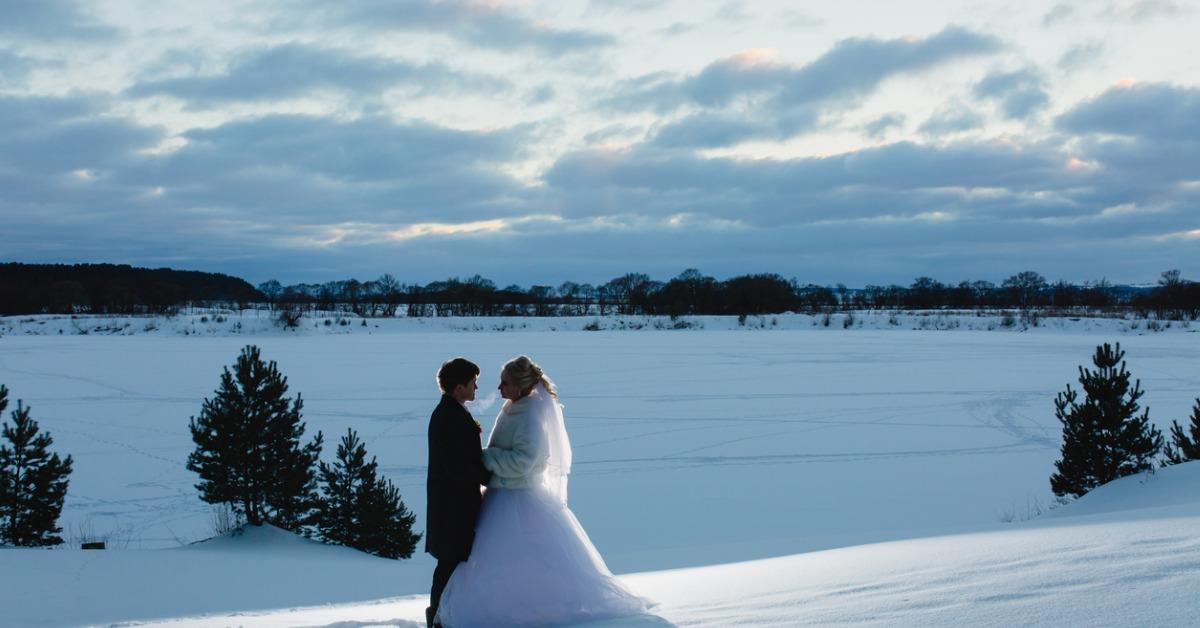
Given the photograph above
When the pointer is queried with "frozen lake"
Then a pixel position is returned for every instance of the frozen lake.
(691, 447)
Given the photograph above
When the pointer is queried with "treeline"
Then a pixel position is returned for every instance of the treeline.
(122, 289)
(114, 289)
(693, 293)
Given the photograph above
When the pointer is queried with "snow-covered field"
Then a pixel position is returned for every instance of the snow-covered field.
(695, 449)
(1124, 555)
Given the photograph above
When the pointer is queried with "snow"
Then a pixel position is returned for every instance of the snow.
(218, 322)
(870, 467)
(1127, 554)
(1138, 568)
(264, 568)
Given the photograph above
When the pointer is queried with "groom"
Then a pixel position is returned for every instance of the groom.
(455, 474)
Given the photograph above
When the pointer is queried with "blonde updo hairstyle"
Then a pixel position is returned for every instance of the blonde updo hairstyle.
(526, 374)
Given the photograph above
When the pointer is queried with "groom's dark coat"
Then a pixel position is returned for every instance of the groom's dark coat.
(456, 472)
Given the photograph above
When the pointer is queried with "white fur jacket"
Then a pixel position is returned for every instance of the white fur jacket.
(516, 453)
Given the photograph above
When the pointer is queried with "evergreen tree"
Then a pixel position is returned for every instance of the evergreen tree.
(361, 510)
(1104, 437)
(1182, 447)
(248, 452)
(33, 482)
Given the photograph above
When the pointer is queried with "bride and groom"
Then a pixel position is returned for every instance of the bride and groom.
(513, 554)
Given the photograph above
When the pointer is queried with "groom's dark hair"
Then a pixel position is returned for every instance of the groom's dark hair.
(454, 372)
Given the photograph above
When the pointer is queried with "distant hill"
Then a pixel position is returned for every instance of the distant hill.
(112, 288)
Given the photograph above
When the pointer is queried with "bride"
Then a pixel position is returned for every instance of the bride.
(532, 564)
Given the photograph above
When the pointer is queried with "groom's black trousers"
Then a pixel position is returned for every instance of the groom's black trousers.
(441, 575)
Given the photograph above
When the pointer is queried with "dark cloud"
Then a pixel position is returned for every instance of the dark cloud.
(854, 252)
(852, 68)
(294, 70)
(976, 205)
(366, 169)
(896, 179)
(767, 100)
(541, 95)
(79, 183)
(613, 132)
(1159, 111)
(41, 20)
(14, 68)
(950, 120)
(1019, 93)
(46, 135)
(475, 23)
(278, 194)
(855, 67)
(714, 129)
(709, 130)
(881, 125)
(270, 196)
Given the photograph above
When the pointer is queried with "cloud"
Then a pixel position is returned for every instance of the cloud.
(294, 70)
(477, 23)
(1081, 55)
(1019, 93)
(1143, 10)
(1123, 10)
(1158, 111)
(14, 68)
(311, 168)
(856, 66)
(952, 119)
(78, 183)
(732, 11)
(43, 136)
(605, 7)
(895, 179)
(799, 19)
(321, 197)
(766, 99)
(676, 29)
(309, 198)
(57, 20)
(541, 95)
(1057, 14)
(881, 125)
(710, 130)
(853, 67)
(980, 205)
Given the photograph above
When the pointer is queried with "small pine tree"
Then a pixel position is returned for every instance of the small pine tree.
(361, 510)
(1182, 447)
(248, 452)
(1104, 437)
(33, 482)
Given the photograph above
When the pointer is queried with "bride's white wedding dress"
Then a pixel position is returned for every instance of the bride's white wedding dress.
(532, 564)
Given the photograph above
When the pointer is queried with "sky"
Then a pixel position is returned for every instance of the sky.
(539, 142)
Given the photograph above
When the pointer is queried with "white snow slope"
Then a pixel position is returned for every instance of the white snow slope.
(1127, 554)
(693, 448)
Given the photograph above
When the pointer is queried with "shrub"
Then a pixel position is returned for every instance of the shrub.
(359, 509)
(33, 482)
(1104, 437)
(248, 452)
